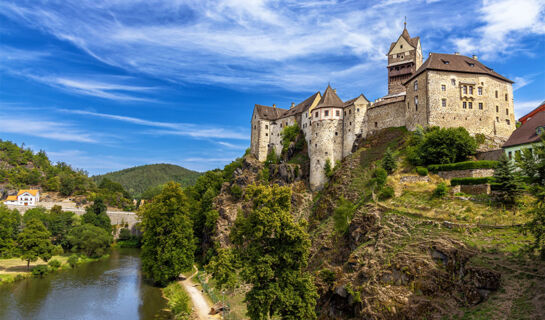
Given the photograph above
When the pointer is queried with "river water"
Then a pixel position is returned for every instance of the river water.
(111, 288)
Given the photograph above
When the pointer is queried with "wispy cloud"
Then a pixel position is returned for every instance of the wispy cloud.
(44, 129)
(232, 146)
(524, 107)
(171, 128)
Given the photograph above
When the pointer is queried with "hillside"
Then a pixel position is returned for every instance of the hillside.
(401, 252)
(138, 179)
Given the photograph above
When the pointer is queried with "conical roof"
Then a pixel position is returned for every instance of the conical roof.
(330, 99)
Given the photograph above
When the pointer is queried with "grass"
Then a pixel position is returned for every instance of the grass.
(178, 301)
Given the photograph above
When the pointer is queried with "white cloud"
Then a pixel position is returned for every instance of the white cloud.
(232, 146)
(524, 107)
(44, 129)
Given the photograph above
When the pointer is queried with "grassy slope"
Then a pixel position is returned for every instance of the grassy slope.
(138, 179)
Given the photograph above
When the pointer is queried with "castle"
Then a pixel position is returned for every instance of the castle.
(447, 90)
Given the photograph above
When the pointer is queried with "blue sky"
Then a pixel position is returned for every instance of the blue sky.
(105, 85)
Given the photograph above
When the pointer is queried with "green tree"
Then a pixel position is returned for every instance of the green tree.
(39, 213)
(223, 267)
(67, 184)
(343, 215)
(10, 220)
(274, 251)
(388, 162)
(90, 239)
(507, 183)
(96, 215)
(167, 243)
(446, 145)
(60, 224)
(328, 168)
(34, 242)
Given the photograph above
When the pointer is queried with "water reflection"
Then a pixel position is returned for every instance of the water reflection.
(109, 289)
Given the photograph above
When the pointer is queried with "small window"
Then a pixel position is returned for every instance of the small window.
(443, 87)
(401, 46)
(316, 114)
(255, 127)
(358, 110)
(497, 109)
(349, 111)
(266, 134)
(338, 113)
(326, 113)
(507, 111)
(350, 122)
(316, 146)
(376, 124)
(496, 93)
(470, 89)
(470, 105)
(480, 91)
(416, 103)
(443, 103)
(510, 155)
(464, 89)
(506, 97)
(480, 106)
(453, 82)
(464, 105)
(415, 85)
(508, 122)
(266, 126)
(345, 113)
(497, 119)
(336, 133)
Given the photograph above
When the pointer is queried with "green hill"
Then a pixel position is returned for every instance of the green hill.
(138, 179)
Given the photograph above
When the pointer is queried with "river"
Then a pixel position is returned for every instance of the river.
(111, 288)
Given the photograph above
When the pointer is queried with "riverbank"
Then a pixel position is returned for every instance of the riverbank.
(14, 269)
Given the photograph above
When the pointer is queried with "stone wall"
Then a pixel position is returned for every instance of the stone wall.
(475, 189)
(260, 137)
(471, 173)
(417, 114)
(496, 118)
(355, 124)
(490, 155)
(385, 116)
(277, 126)
(326, 143)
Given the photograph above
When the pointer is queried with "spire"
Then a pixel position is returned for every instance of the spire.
(405, 23)
(330, 98)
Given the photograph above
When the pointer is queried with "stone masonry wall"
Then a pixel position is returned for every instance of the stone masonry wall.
(260, 137)
(354, 125)
(325, 145)
(416, 114)
(473, 173)
(385, 116)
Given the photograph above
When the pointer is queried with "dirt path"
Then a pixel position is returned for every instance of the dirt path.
(200, 304)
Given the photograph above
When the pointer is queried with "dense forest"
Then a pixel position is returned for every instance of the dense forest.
(137, 180)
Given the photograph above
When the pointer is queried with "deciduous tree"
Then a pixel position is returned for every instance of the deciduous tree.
(34, 242)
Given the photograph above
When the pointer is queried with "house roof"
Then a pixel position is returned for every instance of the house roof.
(351, 101)
(330, 99)
(303, 106)
(33, 192)
(455, 63)
(526, 133)
(386, 101)
(11, 198)
(269, 113)
(540, 108)
(405, 35)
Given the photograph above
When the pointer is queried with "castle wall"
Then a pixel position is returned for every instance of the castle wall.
(276, 132)
(496, 118)
(354, 124)
(416, 114)
(326, 143)
(385, 116)
(260, 137)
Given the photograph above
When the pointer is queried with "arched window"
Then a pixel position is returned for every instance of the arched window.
(415, 85)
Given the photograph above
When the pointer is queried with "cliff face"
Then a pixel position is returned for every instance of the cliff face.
(391, 264)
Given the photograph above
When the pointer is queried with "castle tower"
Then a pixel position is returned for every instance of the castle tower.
(326, 140)
(404, 58)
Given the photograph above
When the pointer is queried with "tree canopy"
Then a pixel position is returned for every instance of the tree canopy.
(34, 242)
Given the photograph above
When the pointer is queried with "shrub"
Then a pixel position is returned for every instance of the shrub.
(236, 191)
(380, 176)
(386, 193)
(272, 158)
(466, 165)
(441, 145)
(54, 264)
(328, 276)
(289, 134)
(73, 260)
(422, 171)
(40, 270)
(470, 181)
(125, 234)
(440, 191)
(388, 162)
(343, 215)
(178, 301)
(328, 169)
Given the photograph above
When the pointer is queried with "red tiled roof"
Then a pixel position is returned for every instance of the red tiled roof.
(330, 99)
(530, 114)
(455, 63)
(527, 133)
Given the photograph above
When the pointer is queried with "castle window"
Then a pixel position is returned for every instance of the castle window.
(497, 119)
(376, 124)
(416, 103)
(497, 109)
(453, 82)
(338, 113)
(480, 91)
(345, 113)
(316, 114)
(255, 127)
(336, 133)
(443, 87)
(358, 109)
(415, 85)
(470, 105)
(510, 155)
(401, 46)
(480, 106)
(496, 93)
(464, 89)
(326, 113)
(349, 111)
(266, 126)
(506, 97)
(508, 122)
(316, 146)
(470, 90)
(464, 105)
(266, 134)
(443, 102)
(326, 153)
(507, 111)
(350, 122)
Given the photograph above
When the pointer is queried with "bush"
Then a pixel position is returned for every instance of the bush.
(236, 191)
(40, 271)
(289, 134)
(343, 214)
(90, 239)
(422, 171)
(386, 193)
(272, 158)
(73, 260)
(440, 191)
(380, 176)
(54, 264)
(125, 234)
(388, 162)
(440, 145)
(328, 169)
(470, 181)
(466, 165)
(328, 276)
(178, 301)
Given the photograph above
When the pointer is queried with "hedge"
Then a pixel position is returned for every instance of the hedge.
(466, 165)
(471, 181)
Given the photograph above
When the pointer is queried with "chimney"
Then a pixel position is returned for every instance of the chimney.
(292, 105)
(274, 105)
(335, 90)
(475, 57)
(457, 53)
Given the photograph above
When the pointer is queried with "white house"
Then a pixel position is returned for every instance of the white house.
(24, 198)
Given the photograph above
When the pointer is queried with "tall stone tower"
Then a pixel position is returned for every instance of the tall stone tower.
(404, 58)
(326, 140)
